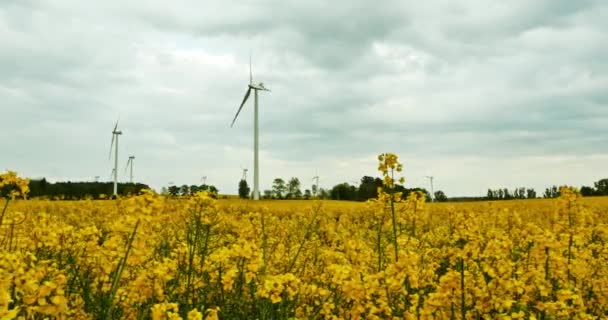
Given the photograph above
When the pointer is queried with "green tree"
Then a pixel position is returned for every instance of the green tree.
(293, 188)
(244, 189)
(184, 190)
(267, 194)
(490, 195)
(278, 188)
(343, 191)
(440, 196)
(601, 187)
(307, 194)
(531, 194)
(173, 190)
(368, 189)
(587, 191)
(194, 189)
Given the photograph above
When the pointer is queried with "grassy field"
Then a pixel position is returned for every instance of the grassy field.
(150, 257)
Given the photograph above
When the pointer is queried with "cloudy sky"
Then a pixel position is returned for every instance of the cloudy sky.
(480, 94)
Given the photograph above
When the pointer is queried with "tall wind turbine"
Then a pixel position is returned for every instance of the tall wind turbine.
(316, 180)
(244, 174)
(432, 192)
(130, 162)
(256, 170)
(115, 134)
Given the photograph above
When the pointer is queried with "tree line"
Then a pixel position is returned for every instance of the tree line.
(41, 188)
(600, 188)
(366, 189)
(186, 190)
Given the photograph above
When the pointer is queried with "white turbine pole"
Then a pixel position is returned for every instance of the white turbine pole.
(131, 158)
(116, 165)
(256, 168)
(432, 191)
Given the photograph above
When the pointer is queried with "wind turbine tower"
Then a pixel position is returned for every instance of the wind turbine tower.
(130, 163)
(256, 168)
(244, 174)
(316, 180)
(432, 191)
(115, 134)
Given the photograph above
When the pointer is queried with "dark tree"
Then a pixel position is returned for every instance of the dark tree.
(343, 191)
(194, 189)
(587, 191)
(368, 188)
(244, 189)
(440, 196)
(293, 188)
(267, 194)
(184, 190)
(173, 190)
(278, 188)
(307, 194)
(601, 187)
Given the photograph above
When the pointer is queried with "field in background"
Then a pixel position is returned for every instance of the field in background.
(150, 257)
(480, 206)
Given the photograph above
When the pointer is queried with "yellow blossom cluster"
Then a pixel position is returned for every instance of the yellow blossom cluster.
(12, 186)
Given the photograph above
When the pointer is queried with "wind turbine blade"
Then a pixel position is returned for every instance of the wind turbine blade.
(241, 107)
(127, 165)
(111, 146)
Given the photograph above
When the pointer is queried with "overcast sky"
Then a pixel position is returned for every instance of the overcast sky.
(480, 94)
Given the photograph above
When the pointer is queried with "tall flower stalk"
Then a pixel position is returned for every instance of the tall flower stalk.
(388, 165)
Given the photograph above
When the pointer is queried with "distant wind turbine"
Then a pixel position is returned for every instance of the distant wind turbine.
(130, 163)
(255, 87)
(432, 192)
(316, 180)
(115, 134)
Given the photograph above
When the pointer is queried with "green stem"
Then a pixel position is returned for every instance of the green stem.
(121, 267)
(379, 245)
(463, 310)
(264, 242)
(392, 192)
(4, 210)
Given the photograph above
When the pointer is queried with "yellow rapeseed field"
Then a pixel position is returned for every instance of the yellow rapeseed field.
(152, 257)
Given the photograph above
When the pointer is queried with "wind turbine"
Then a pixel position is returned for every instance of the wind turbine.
(115, 134)
(316, 179)
(256, 170)
(130, 162)
(432, 192)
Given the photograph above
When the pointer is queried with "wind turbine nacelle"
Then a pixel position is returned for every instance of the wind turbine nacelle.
(258, 86)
